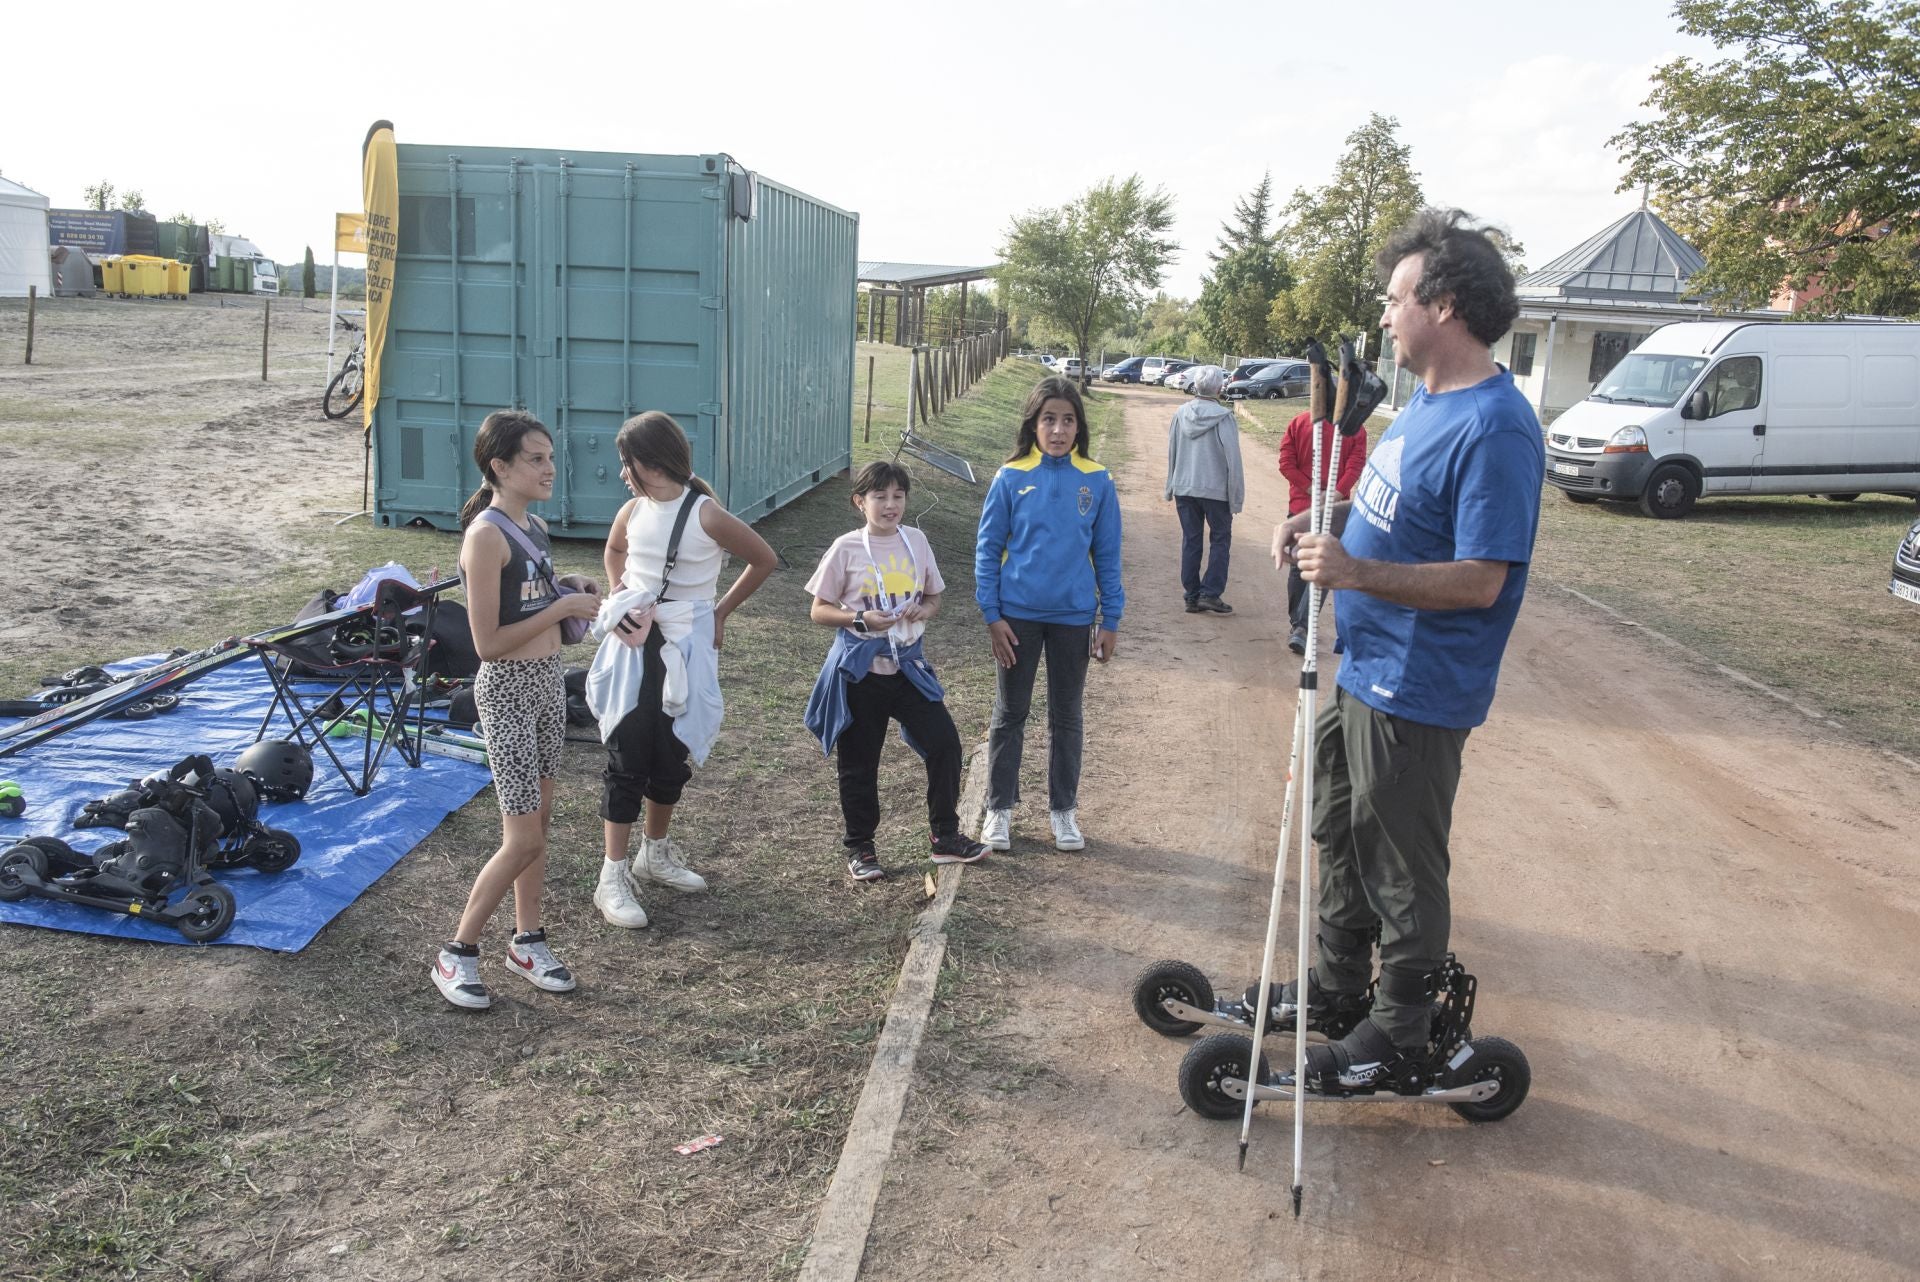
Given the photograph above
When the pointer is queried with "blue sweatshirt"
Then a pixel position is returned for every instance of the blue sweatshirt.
(1049, 543)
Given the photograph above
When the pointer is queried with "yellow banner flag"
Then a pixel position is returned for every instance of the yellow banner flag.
(350, 233)
(380, 179)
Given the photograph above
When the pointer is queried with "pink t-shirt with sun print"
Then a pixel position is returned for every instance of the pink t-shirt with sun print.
(900, 572)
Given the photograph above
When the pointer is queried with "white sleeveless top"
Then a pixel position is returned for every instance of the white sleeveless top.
(696, 574)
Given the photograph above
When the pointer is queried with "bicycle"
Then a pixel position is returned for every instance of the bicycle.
(344, 392)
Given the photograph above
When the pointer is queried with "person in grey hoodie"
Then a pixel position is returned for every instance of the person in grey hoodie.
(1206, 486)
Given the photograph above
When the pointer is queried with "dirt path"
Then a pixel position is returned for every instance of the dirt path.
(1695, 914)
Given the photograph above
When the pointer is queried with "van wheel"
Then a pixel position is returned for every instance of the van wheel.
(1670, 492)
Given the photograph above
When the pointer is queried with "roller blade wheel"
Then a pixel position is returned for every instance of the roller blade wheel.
(1211, 1061)
(1170, 979)
(1495, 1059)
(210, 910)
(272, 850)
(20, 869)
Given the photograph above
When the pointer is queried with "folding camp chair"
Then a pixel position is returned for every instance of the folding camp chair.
(378, 684)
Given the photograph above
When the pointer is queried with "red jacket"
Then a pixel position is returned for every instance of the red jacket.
(1296, 459)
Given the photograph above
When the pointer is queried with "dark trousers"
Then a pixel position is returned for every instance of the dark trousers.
(645, 759)
(1383, 810)
(873, 701)
(1216, 516)
(1065, 646)
(1297, 598)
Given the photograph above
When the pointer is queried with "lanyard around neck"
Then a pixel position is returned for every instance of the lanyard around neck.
(880, 581)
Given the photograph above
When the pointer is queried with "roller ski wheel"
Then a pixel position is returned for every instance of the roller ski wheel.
(1171, 980)
(1495, 1059)
(1211, 1062)
(271, 850)
(21, 869)
(205, 913)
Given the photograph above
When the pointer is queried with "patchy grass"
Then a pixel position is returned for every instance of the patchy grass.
(220, 1112)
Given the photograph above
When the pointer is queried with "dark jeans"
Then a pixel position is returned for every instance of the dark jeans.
(1383, 811)
(873, 701)
(1297, 598)
(645, 759)
(1216, 515)
(1065, 646)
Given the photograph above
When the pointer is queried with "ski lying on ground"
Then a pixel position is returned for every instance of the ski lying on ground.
(436, 738)
(176, 672)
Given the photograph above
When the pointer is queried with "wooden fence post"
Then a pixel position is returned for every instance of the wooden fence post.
(33, 296)
(868, 434)
(266, 329)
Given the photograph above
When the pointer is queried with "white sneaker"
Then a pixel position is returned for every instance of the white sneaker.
(997, 830)
(1066, 831)
(663, 861)
(457, 976)
(529, 957)
(614, 897)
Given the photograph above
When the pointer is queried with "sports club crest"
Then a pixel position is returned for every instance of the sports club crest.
(1086, 500)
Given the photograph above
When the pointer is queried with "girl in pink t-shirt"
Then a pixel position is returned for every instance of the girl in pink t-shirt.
(877, 587)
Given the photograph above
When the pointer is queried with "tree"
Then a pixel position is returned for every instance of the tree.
(99, 196)
(1330, 237)
(1087, 264)
(133, 200)
(1795, 160)
(1236, 298)
(306, 275)
(214, 226)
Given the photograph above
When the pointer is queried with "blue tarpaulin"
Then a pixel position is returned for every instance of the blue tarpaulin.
(346, 842)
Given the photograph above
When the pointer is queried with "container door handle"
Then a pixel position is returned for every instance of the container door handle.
(1759, 429)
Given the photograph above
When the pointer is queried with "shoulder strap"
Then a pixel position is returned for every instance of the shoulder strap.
(687, 505)
(501, 521)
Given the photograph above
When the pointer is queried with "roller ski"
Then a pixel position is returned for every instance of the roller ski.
(435, 738)
(241, 840)
(159, 872)
(1482, 1079)
(1174, 999)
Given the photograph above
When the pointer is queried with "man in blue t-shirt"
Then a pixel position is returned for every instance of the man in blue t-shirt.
(1428, 562)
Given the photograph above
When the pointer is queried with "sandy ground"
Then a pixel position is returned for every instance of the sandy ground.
(223, 497)
(1694, 913)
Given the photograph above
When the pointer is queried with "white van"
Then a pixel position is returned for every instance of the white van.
(1737, 407)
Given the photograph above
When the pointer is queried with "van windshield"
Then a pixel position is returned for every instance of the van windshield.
(1645, 379)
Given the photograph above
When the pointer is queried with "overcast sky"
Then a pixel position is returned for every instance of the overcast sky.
(935, 123)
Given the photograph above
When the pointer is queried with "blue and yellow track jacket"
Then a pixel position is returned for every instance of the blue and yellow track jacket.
(1049, 543)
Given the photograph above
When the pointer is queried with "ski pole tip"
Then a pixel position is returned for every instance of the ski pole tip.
(1243, 1157)
(1296, 1201)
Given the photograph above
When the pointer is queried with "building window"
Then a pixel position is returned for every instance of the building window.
(1520, 359)
(1609, 347)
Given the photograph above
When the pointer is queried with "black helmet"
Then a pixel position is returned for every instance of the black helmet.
(233, 797)
(280, 768)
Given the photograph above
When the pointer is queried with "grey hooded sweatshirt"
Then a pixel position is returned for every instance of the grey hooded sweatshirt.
(1203, 454)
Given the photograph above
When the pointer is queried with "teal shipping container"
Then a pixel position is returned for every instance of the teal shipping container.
(588, 287)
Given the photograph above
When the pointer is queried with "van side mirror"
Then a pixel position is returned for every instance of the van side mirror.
(1696, 406)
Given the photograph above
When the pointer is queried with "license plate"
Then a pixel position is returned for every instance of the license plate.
(1566, 469)
(1905, 591)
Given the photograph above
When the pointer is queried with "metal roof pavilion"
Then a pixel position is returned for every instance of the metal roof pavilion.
(921, 275)
(1637, 258)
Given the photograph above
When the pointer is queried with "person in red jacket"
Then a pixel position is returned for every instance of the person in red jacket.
(1296, 464)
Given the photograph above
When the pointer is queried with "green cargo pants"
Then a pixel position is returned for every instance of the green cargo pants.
(1383, 809)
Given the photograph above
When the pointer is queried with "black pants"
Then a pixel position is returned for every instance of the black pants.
(873, 701)
(645, 759)
(1064, 645)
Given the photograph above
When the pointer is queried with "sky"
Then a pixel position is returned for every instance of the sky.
(936, 124)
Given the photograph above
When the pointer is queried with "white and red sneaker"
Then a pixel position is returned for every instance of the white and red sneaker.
(529, 957)
(456, 973)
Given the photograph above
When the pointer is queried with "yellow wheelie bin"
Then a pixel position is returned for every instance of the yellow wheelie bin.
(178, 275)
(145, 275)
(112, 280)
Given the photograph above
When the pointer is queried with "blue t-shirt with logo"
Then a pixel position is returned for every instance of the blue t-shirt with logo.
(1455, 478)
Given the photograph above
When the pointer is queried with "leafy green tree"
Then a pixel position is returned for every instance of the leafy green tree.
(1794, 160)
(133, 200)
(1164, 326)
(1084, 266)
(100, 195)
(306, 275)
(1331, 235)
(1236, 298)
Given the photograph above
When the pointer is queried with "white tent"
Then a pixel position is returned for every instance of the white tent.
(23, 241)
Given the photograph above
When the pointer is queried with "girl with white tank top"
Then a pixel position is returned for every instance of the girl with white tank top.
(646, 762)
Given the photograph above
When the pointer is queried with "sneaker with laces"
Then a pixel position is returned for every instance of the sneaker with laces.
(1297, 640)
(456, 973)
(997, 831)
(957, 848)
(529, 957)
(1066, 830)
(1214, 605)
(863, 863)
(663, 861)
(614, 897)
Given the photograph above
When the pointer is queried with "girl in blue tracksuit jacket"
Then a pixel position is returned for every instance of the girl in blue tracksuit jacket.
(1046, 566)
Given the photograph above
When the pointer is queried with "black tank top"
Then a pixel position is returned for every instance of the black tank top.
(524, 582)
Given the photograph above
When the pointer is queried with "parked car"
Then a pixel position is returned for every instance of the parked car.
(1070, 367)
(1153, 369)
(1046, 358)
(1275, 381)
(1745, 407)
(1244, 371)
(1181, 380)
(1171, 367)
(1127, 371)
(1905, 583)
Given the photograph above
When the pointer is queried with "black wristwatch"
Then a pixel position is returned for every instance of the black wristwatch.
(860, 621)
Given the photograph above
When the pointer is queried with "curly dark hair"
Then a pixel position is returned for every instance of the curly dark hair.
(1461, 261)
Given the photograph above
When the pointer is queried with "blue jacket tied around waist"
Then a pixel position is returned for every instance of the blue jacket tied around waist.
(850, 659)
